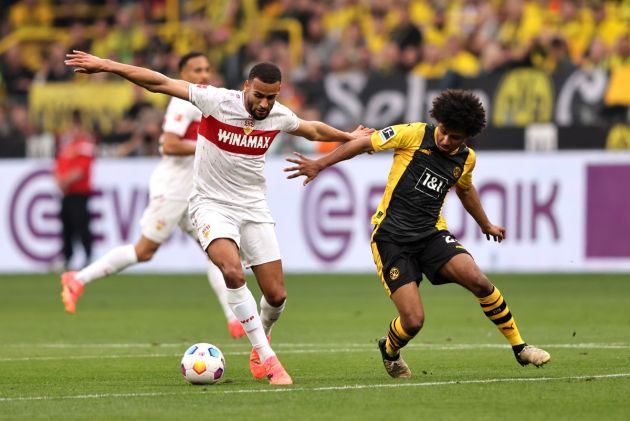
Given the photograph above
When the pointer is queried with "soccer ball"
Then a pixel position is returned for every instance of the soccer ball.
(203, 364)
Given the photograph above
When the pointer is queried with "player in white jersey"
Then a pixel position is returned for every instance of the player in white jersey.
(228, 204)
(170, 186)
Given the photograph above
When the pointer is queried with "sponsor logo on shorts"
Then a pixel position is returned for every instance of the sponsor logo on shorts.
(160, 224)
(394, 273)
(205, 231)
(450, 239)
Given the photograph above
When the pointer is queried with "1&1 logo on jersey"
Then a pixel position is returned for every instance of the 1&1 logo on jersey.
(431, 184)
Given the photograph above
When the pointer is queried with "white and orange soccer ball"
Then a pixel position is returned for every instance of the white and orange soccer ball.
(203, 364)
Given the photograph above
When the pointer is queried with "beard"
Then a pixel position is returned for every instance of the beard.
(258, 116)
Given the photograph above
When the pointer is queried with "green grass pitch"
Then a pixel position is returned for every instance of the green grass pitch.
(118, 357)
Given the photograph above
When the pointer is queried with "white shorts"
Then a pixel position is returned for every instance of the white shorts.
(256, 241)
(162, 216)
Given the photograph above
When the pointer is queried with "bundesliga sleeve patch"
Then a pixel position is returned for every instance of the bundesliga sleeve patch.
(386, 134)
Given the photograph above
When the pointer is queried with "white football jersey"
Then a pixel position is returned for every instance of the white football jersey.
(172, 178)
(231, 148)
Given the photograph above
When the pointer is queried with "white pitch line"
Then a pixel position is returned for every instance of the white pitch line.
(349, 348)
(317, 389)
(87, 357)
(322, 345)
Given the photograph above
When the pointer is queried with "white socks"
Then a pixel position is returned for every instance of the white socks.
(112, 262)
(269, 314)
(215, 279)
(243, 305)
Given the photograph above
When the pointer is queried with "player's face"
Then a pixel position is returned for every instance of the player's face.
(197, 71)
(260, 97)
(448, 141)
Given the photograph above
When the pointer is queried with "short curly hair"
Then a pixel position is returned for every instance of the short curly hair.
(459, 110)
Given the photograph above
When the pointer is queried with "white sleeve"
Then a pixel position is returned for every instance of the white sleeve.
(204, 97)
(177, 118)
(289, 122)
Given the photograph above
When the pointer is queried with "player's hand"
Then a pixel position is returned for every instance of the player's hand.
(306, 167)
(84, 62)
(361, 131)
(495, 231)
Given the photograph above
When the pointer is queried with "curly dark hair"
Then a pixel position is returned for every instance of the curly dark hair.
(265, 72)
(459, 110)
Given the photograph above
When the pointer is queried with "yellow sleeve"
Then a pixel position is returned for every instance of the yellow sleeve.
(465, 181)
(400, 136)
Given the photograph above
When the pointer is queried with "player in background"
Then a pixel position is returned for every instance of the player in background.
(410, 236)
(73, 174)
(169, 187)
(228, 205)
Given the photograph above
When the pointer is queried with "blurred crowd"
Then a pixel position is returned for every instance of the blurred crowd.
(431, 38)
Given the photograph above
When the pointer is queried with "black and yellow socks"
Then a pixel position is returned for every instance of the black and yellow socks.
(496, 309)
(396, 338)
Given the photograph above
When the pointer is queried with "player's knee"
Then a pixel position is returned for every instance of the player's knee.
(276, 298)
(481, 286)
(412, 322)
(145, 254)
(234, 276)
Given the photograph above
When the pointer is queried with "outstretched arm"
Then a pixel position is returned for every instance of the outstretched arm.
(470, 199)
(148, 79)
(172, 144)
(322, 132)
(310, 168)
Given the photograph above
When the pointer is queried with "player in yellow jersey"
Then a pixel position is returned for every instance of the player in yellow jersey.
(410, 236)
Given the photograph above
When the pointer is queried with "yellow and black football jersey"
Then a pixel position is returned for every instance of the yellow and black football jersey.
(420, 178)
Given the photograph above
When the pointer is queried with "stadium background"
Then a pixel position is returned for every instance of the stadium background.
(553, 76)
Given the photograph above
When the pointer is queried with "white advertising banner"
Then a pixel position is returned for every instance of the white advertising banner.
(567, 212)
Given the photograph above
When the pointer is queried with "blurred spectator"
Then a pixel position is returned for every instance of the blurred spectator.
(460, 61)
(15, 130)
(16, 76)
(12, 141)
(53, 69)
(318, 44)
(311, 84)
(138, 132)
(609, 23)
(596, 56)
(73, 173)
(576, 27)
(30, 13)
(433, 64)
(127, 35)
(388, 61)
(621, 52)
(78, 38)
(554, 56)
(406, 33)
(409, 58)
(100, 43)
